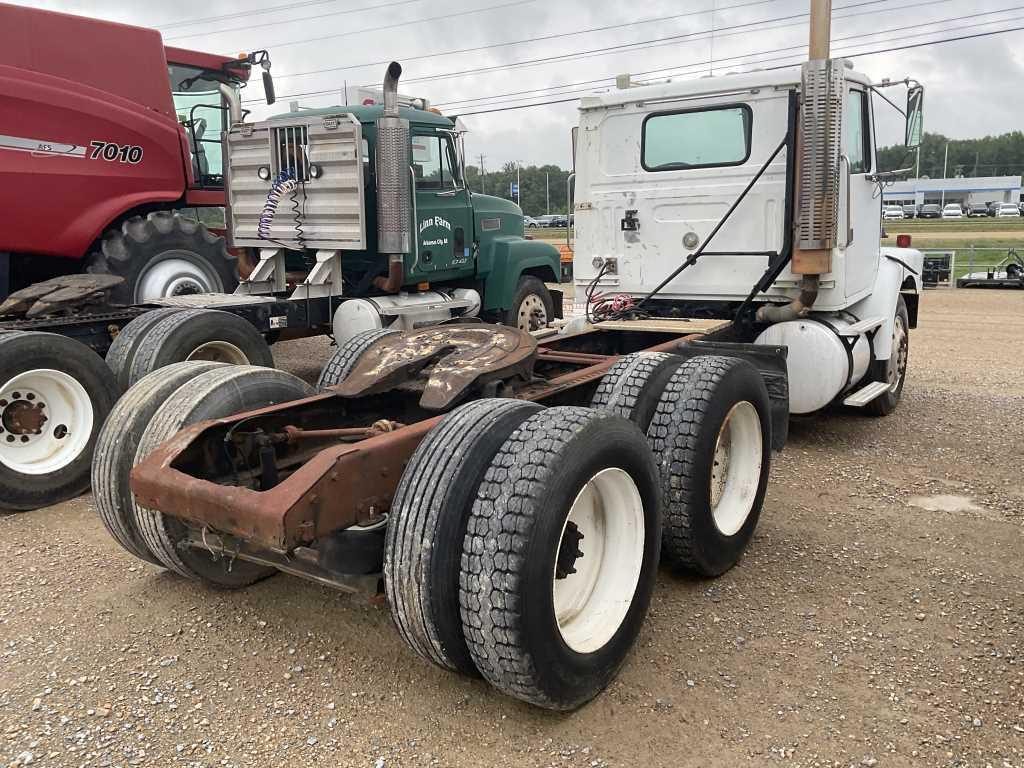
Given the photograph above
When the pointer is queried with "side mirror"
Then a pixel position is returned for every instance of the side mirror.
(915, 117)
(268, 87)
(575, 136)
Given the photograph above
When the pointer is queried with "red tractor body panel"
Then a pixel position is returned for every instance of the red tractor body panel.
(88, 128)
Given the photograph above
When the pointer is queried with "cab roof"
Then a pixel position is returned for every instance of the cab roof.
(371, 113)
(789, 77)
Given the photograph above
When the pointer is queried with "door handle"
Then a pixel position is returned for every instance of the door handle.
(849, 198)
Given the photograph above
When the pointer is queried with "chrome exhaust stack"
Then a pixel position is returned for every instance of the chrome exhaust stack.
(394, 231)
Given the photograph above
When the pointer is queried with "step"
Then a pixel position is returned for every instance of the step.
(865, 395)
(862, 326)
(415, 309)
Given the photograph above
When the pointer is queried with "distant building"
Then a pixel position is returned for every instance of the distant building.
(966, 191)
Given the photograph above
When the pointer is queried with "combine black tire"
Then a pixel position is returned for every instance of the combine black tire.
(122, 351)
(70, 385)
(427, 524)
(347, 355)
(192, 259)
(633, 386)
(893, 370)
(214, 394)
(542, 622)
(532, 307)
(713, 475)
(116, 447)
(199, 334)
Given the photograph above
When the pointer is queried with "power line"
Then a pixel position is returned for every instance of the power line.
(275, 9)
(454, 14)
(860, 54)
(279, 22)
(668, 71)
(599, 51)
(542, 38)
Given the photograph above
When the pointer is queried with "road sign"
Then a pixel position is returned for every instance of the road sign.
(513, 190)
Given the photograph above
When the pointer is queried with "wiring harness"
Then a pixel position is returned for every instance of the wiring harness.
(602, 306)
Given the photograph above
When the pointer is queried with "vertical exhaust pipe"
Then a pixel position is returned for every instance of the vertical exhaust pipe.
(394, 194)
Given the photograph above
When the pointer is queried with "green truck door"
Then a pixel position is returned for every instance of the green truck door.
(444, 223)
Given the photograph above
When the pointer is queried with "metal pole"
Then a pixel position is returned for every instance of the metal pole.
(821, 29)
(483, 177)
(519, 189)
(944, 164)
(547, 191)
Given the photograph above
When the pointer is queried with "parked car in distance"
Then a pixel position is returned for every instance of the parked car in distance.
(909, 211)
(976, 210)
(992, 208)
(530, 223)
(930, 211)
(546, 221)
(892, 213)
(952, 211)
(1008, 209)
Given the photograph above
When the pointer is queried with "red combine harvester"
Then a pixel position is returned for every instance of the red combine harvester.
(99, 159)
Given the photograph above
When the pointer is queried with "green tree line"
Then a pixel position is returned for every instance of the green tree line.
(1001, 155)
(541, 187)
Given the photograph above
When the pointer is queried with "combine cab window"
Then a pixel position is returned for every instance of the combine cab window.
(433, 162)
(198, 104)
(696, 138)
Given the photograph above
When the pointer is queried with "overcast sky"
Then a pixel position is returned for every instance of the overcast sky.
(973, 86)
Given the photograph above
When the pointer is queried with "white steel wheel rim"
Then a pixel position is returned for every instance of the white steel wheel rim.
(736, 468)
(176, 273)
(898, 359)
(219, 352)
(533, 315)
(591, 604)
(61, 438)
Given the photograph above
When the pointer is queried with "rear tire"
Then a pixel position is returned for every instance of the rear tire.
(122, 351)
(633, 386)
(711, 437)
(48, 377)
(347, 355)
(893, 370)
(164, 254)
(116, 447)
(427, 524)
(544, 623)
(214, 394)
(199, 334)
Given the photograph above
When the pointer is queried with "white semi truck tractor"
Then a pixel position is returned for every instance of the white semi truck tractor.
(755, 198)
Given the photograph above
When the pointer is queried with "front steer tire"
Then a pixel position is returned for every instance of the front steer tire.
(542, 622)
(76, 390)
(141, 244)
(532, 308)
(893, 370)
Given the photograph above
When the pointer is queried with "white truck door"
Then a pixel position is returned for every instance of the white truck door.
(860, 212)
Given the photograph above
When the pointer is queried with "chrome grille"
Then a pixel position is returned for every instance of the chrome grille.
(291, 150)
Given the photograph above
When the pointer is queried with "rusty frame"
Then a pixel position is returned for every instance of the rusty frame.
(340, 486)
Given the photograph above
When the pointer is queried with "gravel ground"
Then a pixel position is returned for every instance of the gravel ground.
(877, 620)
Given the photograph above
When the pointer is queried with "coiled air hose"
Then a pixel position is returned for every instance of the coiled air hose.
(284, 184)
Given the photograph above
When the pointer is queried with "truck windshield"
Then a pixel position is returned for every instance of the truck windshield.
(198, 103)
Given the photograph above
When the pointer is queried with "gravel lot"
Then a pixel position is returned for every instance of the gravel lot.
(877, 620)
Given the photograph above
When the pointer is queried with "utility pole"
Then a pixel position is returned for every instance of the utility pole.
(483, 177)
(519, 189)
(821, 29)
(547, 191)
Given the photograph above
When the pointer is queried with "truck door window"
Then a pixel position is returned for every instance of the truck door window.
(432, 163)
(696, 138)
(858, 132)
